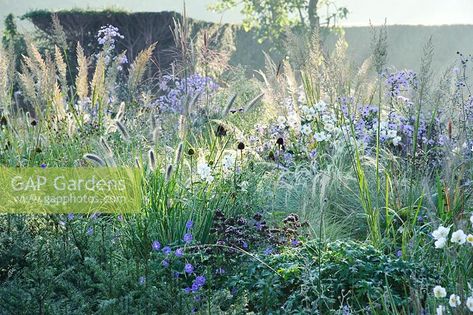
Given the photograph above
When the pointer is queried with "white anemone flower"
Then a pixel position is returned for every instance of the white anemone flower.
(309, 112)
(440, 310)
(469, 239)
(392, 133)
(440, 292)
(204, 171)
(454, 300)
(458, 237)
(441, 232)
(228, 162)
(469, 303)
(281, 122)
(471, 219)
(321, 106)
(396, 140)
(440, 243)
(321, 136)
(306, 130)
(293, 120)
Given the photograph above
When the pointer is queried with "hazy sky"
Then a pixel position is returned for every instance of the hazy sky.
(361, 11)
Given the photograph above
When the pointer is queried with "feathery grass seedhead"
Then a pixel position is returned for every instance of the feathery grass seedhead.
(59, 35)
(138, 163)
(121, 112)
(380, 48)
(169, 171)
(229, 106)
(106, 146)
(95, 159)
(177, 158)
(253, 102)
(82, 81)
(123, 131)
(138, 68)
(152, 160)
(182, 127)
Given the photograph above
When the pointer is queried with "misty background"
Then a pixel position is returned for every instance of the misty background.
(411, 23)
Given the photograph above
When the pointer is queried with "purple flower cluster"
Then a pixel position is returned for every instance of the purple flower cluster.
(176, 91)
(401, 81)
(197, 284)
(107, 35)
(396, 130)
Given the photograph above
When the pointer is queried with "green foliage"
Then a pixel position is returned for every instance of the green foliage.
(275, 195)
(274, 17)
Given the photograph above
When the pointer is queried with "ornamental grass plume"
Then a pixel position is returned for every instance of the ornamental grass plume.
(123, 131)
(178, 154)
(169, 171)
(82, 80)
(152, 160)
(106, 146)
(95, 159)
(138, 68)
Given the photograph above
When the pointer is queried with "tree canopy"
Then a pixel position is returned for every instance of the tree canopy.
(273, 17)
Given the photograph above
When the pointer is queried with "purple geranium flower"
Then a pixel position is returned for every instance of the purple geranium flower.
(189, 225)
(167, 250)
(179, 252)
(268, 251)
(200, 280)
(188, 238)
(156, 245)
(188, 268)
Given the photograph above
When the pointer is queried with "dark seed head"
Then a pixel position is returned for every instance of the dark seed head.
(221, 131)
(3, 121)
(258, 217)
(191, 152)
(241, 146)
(280, 141)
(34, 122)
(241, 221)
